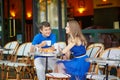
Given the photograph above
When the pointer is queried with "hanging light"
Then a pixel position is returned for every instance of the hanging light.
(13, 11)
(81, 4)
(81, 10)
(104, 0)
(29, 14)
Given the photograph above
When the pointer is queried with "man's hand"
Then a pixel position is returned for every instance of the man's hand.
(42, 44)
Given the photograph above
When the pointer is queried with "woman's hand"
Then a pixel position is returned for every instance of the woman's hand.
(64, 57)
(60, 49)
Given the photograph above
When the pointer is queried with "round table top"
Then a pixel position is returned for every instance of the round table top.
(49, 54)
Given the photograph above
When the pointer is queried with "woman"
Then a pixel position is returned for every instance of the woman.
(77, 67)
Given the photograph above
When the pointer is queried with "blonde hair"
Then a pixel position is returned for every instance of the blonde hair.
(76, 31)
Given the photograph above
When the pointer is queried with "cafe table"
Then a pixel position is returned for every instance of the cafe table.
(46, 55)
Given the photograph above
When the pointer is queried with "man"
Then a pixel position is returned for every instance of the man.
(43, 40)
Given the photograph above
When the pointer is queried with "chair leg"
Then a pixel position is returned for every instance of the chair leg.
(35, 78)
(18, 69)
(1, 55)
(118, 72)
(27, 71)
(3, 71)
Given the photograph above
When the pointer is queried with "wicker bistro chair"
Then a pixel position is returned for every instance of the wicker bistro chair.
(22, 64)
(9, 50)
(7, 54)
(108, 58)
(113, 58)
(94, 49)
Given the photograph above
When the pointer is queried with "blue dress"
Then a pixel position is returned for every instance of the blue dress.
(77, 67)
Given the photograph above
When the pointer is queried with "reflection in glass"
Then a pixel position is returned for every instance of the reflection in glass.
(41, 11)
(52, 12)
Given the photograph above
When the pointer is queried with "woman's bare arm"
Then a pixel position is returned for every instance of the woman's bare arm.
(68, 47)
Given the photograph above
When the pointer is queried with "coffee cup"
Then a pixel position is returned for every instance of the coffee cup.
(48, 42)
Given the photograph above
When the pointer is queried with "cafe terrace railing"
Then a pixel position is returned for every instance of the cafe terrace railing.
(96, 32)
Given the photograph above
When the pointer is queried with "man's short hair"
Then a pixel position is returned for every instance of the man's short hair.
(45, 24)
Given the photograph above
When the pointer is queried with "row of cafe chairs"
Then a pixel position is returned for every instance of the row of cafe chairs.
(95, 54)
(6, 54)
(21, 62)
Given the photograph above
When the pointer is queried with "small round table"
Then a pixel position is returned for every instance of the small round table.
(47, 55)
